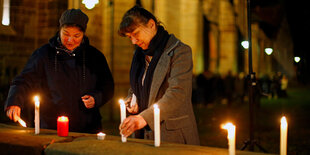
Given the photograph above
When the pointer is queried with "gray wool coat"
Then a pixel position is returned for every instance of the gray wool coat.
(171, 89)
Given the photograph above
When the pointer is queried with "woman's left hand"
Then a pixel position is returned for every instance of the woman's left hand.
(89, 101)
(131, 124)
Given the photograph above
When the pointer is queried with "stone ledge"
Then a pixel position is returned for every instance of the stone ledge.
(18, 140)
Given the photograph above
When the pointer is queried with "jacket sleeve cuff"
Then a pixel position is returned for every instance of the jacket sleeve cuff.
(148, 116)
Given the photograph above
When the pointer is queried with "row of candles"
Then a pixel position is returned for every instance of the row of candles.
(62, 121)
(63, 127)
(231, 137)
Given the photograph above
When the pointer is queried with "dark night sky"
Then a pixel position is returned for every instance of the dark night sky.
(298, 15)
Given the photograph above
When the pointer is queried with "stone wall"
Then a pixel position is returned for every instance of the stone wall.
(32, 23)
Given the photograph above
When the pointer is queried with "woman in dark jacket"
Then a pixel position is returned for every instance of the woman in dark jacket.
(71, 77)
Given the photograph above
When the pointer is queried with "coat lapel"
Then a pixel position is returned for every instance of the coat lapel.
(162, 68)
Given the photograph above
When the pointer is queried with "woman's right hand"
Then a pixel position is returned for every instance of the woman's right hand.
(13, 112)
(133, 109)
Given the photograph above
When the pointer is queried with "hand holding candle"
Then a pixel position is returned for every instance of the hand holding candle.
(13, 112)
(37, 115)
(283, 137)
(231, 129)
(62, 126)
(156, 126)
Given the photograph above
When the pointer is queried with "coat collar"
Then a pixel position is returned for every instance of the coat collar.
(162, 67)
(171, 44)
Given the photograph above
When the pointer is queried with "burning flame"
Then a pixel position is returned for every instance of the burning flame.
(37, 103)
(121, 101)
(21, 122)
(230, 128)
(283, 122)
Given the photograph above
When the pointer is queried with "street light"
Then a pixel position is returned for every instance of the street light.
(268, 51)
(296, 59)
(245, 44)
(89, 4)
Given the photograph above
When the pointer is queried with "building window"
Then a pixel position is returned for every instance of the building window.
(6, 13)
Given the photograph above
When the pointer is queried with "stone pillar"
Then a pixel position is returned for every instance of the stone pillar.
(214, 48)
(191, 30)
(228, 38)
(183, 18)
(211, 11)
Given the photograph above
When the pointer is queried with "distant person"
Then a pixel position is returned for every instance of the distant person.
(161, 73)
(240, 85)
(284, 83)
(71, 77)
(229, 87)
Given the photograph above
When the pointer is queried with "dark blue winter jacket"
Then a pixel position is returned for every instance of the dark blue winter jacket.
(61, 79)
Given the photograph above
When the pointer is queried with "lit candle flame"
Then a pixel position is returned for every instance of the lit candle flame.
(283, 122)
(36, 98)
(230, 128)
(155, 106)
(100, 134)
(63, 119)
(21, 122)
(37, 103)
(121, 101)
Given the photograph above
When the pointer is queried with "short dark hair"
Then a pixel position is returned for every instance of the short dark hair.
(73, 25)
(133, 17)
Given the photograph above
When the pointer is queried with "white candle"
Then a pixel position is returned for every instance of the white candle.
(231, 129)
(156, 126)
(123, 116)
(37, 115)
(283, 137)
(133, 100)
(100, 136)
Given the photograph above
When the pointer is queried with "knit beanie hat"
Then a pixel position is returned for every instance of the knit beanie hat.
(74, 16)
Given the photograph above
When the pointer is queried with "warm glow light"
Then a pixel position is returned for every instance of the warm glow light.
(6, 13)
(36, 101)
(231, 137)
(21, 122)
(89, 4)
(63, 119)
(245, 44)
(155, 106)
(283, 136)
(100, 136)
(36, 98)
(230, 128)
(268, 51)
(121, 101)
(283, 122)
(296, 59)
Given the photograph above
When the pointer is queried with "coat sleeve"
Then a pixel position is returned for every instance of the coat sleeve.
(177, 96)
(105, 86)
(24, 83)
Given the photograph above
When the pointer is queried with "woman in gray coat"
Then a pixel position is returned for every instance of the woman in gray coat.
(161, 73)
